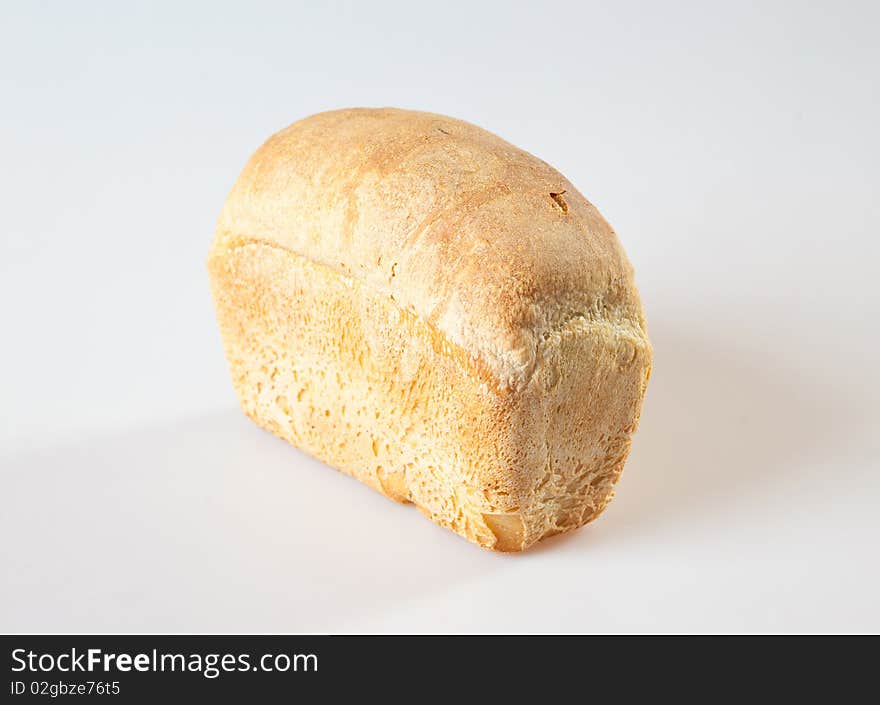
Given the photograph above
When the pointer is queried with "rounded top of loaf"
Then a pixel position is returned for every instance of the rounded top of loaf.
(488, 244)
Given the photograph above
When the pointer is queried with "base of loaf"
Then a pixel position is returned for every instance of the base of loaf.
(347, 375)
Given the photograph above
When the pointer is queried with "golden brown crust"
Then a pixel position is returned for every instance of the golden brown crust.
(437, 313)
(459, 226)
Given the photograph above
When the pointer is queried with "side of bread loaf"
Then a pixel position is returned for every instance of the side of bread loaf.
(437, 313)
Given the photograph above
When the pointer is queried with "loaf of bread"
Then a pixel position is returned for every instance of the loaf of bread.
(424, 306)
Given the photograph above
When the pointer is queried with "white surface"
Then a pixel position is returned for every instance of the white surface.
(734, 150)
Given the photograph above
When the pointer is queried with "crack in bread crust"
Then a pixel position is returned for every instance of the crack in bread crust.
(618, 317)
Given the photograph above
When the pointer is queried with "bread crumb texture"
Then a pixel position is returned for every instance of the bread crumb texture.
(436, 313)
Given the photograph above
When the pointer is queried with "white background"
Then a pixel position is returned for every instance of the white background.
(733, 146)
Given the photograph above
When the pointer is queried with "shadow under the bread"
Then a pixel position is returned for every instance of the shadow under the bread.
(209, 525)
(730, 414)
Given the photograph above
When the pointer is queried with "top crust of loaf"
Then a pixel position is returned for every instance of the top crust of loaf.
(485, 242)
